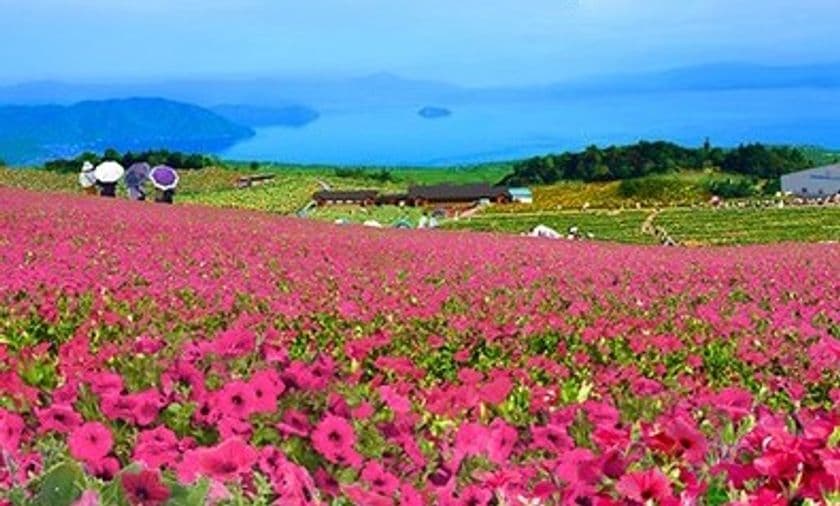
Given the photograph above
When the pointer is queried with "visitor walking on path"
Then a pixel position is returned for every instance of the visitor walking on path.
(107, 175)
(165, 180)
(87, 180)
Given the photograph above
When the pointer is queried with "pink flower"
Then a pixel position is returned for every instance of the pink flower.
(578, 470)
(156, 447)
(363, 411)
(502, 438)
(104, 469)
(60, 418)
(497, 390)
(267, 387)
(680, 437)
(88, 498)
(105, 383)
(380, 481)
(236, 399)
(90, 442)
(643, 486)
(147, 405)
(118, 407)
(225, 461)
(144, 488)
(294, 423)
(234, 342)
(474, 495)
(395, 401)
(334, 438)
(553, 438)
(781, 463)
(734, 402)
(11, 430)
(234, 427)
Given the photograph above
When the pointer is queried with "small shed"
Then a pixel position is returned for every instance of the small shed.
(813, 183)
(249, 181)
(522, 195)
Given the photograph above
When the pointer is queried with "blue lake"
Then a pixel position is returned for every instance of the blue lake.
(486, 132)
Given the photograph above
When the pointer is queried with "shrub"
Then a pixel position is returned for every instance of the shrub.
(733, 188)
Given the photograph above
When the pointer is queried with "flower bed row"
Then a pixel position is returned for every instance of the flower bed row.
(192, 355)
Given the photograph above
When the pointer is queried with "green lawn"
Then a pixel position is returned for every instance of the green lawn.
(697, 226)
(386, 215)
(748, 226)
(621, 226)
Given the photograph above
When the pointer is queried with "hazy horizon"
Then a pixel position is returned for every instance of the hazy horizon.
(471, 43)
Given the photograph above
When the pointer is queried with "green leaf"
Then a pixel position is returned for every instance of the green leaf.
(717, 495)
(834, 438)
(61, 486)
(195, 495)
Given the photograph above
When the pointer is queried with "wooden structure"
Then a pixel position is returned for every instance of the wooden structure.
(358, 197)
(249, 181)
(445, 194)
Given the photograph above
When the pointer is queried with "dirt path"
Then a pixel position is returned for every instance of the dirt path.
(659, 233)
(647, 225)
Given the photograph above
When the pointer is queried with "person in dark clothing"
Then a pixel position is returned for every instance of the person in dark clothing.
(107, 189)
(165, 196)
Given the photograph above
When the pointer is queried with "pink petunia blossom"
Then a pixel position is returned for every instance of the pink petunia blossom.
(643, 486)
(90, 442)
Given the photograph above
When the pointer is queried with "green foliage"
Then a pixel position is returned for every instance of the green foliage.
(732, 188)
(152, 157)
(612, 163)
(651, 188)
(763, 161)
(61, 486)
(751, 225)
(381, 176)
(195, 495)
(645, 158)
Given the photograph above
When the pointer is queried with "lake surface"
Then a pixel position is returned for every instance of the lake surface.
(487, 132)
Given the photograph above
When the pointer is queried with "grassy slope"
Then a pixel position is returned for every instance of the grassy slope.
(386, 215)
(746, 226)
(622, 226)
(556, 205)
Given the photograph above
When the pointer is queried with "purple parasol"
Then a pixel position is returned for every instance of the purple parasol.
(164, 177)
(137, 174)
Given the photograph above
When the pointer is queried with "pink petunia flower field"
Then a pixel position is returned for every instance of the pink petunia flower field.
(156, 355)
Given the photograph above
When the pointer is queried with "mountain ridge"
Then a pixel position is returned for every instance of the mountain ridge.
(385, 89)
(35, 133)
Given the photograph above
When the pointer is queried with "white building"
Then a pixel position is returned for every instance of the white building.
(818, 182)
(521, 195)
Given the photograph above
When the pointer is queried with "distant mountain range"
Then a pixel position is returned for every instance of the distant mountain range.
(720, 76)
(386, 90)
(31, 134)
(42, 120)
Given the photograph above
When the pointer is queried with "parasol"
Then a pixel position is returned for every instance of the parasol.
(164, 177)
(108, 172)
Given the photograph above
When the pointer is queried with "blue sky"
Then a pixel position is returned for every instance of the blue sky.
(471, 42)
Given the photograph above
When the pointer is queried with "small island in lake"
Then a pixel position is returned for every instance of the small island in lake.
(430, 112)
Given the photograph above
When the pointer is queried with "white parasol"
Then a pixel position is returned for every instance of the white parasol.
(108, 172)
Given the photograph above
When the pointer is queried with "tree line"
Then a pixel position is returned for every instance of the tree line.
(647, 158)
(176, 159)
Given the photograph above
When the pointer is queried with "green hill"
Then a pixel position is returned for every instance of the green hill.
(33, 134)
